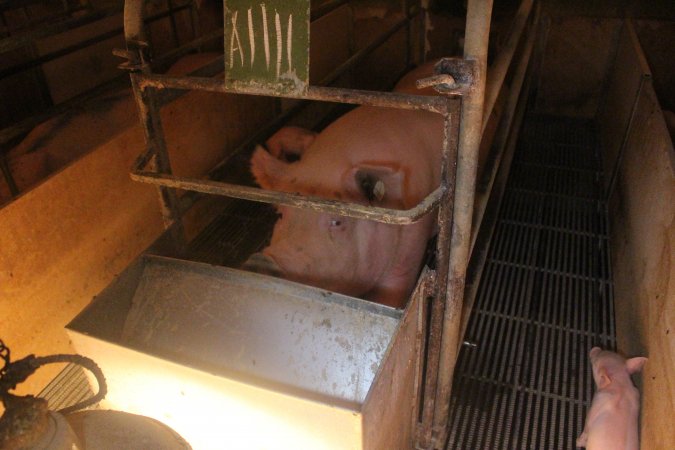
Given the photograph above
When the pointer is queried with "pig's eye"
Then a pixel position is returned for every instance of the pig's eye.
(335, 223)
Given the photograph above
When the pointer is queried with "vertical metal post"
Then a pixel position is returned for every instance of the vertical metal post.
(475, 48)
(425, 439)
(148, 110)
(174, 25)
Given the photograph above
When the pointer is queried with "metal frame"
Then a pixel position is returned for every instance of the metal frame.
(454, 197)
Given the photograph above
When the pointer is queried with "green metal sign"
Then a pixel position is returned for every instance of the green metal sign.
(267, 45)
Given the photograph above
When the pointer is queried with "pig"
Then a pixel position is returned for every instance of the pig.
(611, 423)
(374, 156)
(62, 139)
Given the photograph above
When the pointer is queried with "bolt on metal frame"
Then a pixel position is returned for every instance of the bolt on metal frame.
(463, 126)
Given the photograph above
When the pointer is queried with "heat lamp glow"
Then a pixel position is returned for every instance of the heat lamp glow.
(211, 412)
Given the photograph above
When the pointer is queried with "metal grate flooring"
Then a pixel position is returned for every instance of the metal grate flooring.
(68, 388)
(240, 230)
(523, 379)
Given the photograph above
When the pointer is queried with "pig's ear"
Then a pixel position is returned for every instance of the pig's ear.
(594, 351)
(268, 171)
(634, 365)
(289, 143)
(603, 380)
(382, 185)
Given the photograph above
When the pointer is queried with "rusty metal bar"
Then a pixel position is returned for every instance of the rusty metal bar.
(326, 94)
(428, 284)
(151, 123)
(484, 187)
(498, 70)
(355, 210)
(475, 48)
(425, 437)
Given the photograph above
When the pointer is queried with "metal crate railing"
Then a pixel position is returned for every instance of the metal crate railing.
(461, 104)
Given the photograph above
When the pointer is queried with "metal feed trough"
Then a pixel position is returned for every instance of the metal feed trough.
(243, 360)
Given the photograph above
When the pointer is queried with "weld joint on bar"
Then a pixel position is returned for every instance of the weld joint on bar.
(355, 210)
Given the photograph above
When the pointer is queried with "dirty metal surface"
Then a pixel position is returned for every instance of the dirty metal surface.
(306, 341)
(523, 379)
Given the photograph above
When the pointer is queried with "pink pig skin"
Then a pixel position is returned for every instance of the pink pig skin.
(611, 423)
(399, 152)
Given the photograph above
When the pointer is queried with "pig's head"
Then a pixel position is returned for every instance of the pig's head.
(609, 366)
(354, 257)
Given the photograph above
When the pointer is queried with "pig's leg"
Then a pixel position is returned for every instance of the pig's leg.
(289, 143)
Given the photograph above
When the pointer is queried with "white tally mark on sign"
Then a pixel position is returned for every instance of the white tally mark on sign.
(273, 55)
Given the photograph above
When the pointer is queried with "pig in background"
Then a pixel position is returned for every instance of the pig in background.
(612, 420)
(55, 143)
(382, 157)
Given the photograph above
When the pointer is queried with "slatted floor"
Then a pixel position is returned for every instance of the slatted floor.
(523, 380)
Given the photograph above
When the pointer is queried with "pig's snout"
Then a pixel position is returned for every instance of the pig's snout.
(261, 263)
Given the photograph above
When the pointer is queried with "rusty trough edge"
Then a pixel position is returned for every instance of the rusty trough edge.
(355, 210)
